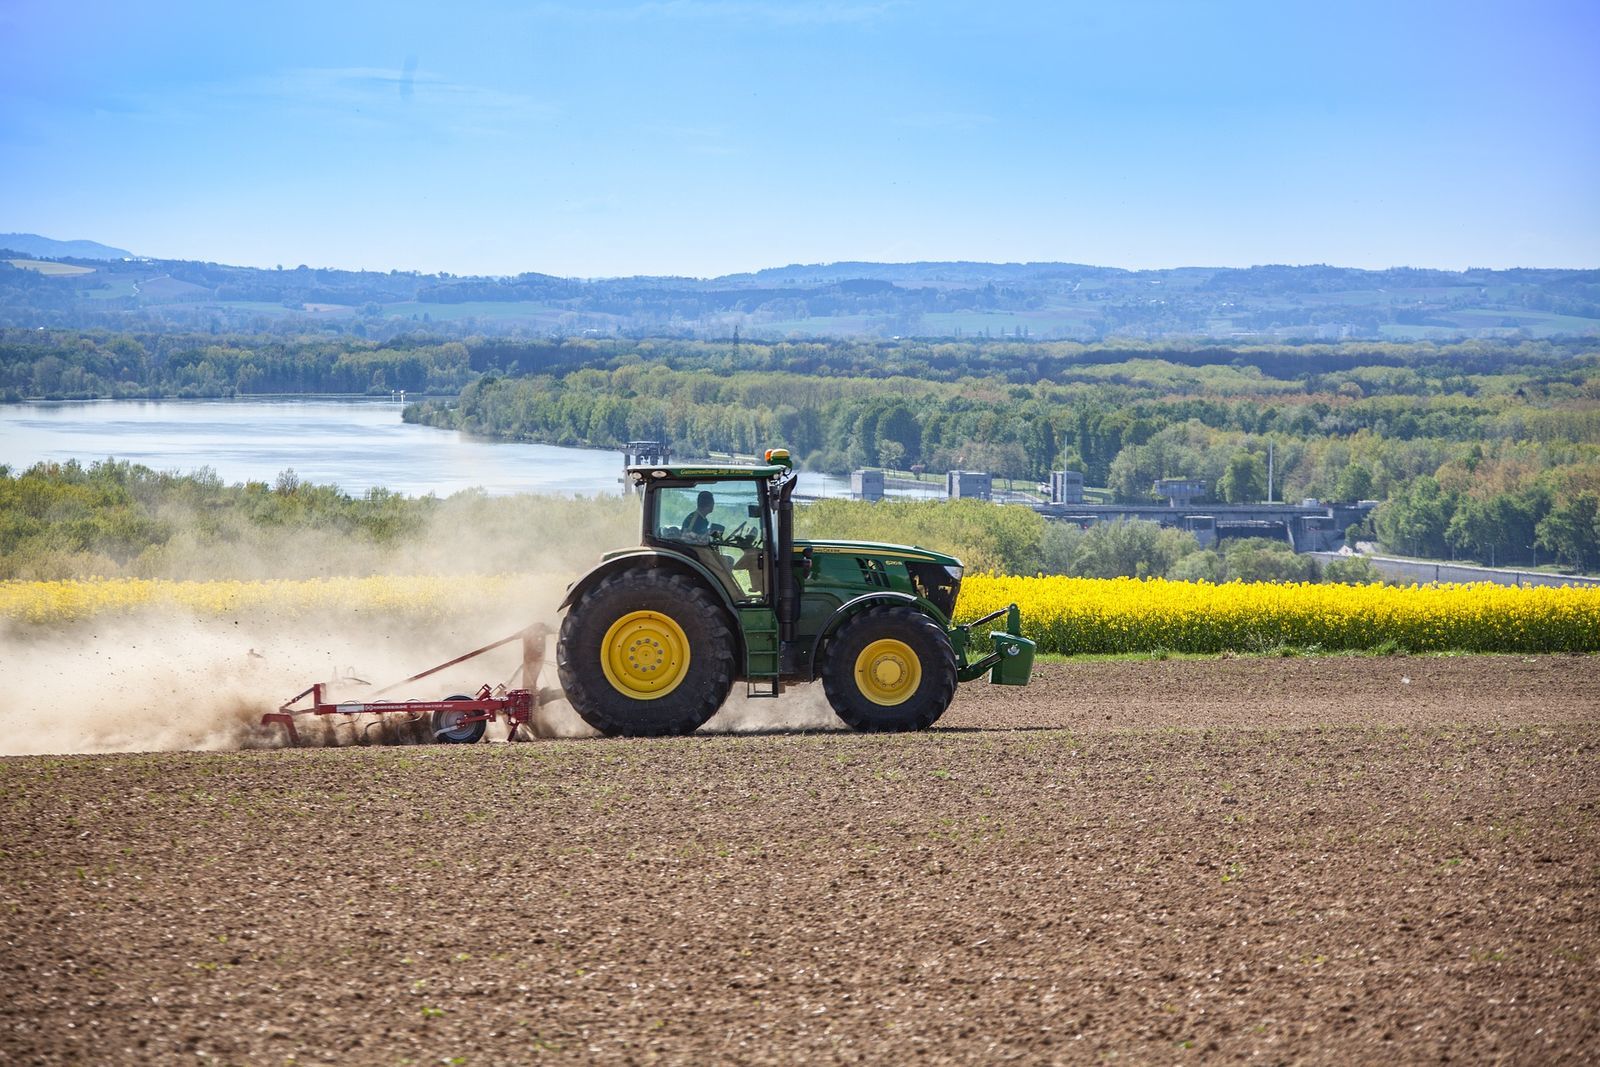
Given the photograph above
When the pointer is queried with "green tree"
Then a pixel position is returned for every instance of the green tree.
(1351, 570)
(1245, 479)
(1203, 566)
(1474, 529)
(1355, 483)
(1571, 531)
(1130, 548)
(1499, 530)
(898, 425)
(1259, 559)
(891, 453)
(1414, 522)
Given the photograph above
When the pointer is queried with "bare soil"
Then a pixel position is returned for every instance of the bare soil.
(1324, 860)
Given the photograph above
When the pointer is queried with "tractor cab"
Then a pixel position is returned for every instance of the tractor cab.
(723, 517)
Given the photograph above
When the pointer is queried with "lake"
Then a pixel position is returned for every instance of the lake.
(356, 444)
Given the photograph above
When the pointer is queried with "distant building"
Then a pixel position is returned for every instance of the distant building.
(1204, 528)
(1066, 487)
(1180, 492)
(866, 485)
(969, 485)
(638, 453)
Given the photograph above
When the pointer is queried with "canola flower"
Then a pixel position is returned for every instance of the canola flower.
(77, 600)
(1091, 615)
(1064, 615)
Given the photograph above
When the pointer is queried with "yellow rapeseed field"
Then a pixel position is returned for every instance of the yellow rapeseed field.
(1064, 615)
(77, 600)
(1091, 615)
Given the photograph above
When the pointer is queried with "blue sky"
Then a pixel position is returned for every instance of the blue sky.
(703, 137)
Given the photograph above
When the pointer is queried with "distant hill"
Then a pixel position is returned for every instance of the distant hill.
(48, 248)
(922, 273)
(958, 299)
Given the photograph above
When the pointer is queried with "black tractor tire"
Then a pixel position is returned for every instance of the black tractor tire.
(703, 682)
(446, 732)
(918, 709)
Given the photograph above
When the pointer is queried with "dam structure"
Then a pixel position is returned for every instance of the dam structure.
(1311, 526)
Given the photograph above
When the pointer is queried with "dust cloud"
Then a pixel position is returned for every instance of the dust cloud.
(801, 707)
(466, 533)
(164, 679)
(156, 682)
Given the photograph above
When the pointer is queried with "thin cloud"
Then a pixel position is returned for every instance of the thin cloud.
(408, 76)
(779, 14)
(364, 96)
(387, 89)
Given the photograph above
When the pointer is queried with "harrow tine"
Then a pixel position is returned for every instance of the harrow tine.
(287, 719)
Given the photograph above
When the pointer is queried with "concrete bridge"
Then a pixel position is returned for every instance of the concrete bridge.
(1306, 527)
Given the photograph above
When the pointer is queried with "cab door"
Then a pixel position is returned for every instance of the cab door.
(724, 524)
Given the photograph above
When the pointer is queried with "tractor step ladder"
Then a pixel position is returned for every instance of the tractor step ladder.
(761, 667)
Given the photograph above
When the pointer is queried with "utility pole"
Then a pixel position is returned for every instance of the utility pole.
(1269, 472)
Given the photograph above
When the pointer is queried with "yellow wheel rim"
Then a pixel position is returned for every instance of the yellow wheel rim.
(888, 672)
(645, 655)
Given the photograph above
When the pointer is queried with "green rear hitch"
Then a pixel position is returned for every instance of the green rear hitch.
(1011, 662)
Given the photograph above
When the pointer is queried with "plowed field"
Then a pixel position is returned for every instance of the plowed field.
(1334, 860)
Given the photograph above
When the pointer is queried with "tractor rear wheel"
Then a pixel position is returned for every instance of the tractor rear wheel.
(890, 670)
(646, 653)
(448, 729)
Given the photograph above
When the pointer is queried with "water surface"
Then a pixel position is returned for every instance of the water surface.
(354, 444)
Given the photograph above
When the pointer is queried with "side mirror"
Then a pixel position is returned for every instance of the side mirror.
(754, 511)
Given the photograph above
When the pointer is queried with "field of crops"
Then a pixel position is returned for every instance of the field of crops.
(45, 603)
(1075, 616)
(1072, 616)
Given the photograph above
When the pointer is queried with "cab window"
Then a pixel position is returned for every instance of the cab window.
(721, 523)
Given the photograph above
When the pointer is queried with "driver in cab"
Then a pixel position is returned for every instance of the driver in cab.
(697, 524)
(698, 529)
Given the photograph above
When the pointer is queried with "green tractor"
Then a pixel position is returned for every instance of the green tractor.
(720, 591)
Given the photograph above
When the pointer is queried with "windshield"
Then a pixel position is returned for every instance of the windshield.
(721, 521)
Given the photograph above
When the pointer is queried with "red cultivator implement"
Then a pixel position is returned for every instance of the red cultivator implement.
(458, 720)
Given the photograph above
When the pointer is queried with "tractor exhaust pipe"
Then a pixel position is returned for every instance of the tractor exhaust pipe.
(788, 596)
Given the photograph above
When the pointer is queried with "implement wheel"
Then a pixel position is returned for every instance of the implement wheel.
(646, 653)
(448, 729)
(890, 670)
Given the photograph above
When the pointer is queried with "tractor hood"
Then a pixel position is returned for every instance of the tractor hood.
(877, 549)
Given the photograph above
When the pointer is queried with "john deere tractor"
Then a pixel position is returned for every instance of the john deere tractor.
(720, 591)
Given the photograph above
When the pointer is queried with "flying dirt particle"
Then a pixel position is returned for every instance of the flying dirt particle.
(201, 688)
(802, 707)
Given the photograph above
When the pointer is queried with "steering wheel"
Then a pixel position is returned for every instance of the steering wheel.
(742, 535)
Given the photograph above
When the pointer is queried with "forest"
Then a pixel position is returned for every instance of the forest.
(1482, 450)
(117, 519)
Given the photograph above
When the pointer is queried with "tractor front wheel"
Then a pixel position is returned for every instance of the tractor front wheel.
(890, 670)
(646, 653)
